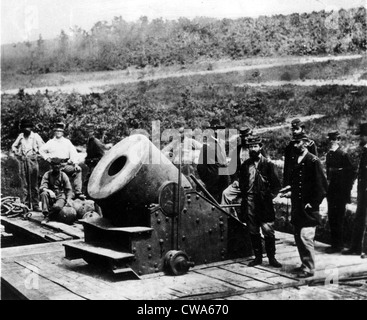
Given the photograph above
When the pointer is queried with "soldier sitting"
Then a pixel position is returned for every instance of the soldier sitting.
(55, 190)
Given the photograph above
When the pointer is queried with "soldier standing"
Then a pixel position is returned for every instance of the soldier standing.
(26, 147)
(290, 154)
(95, 149)
(308, 188)
(212, 161)
(233, 193)
(340, 174)
(259, 185)
(360, 221)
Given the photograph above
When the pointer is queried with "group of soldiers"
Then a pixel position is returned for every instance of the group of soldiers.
(255, 184)
(63, 182)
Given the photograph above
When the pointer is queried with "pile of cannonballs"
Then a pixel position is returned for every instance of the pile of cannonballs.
(80, 209)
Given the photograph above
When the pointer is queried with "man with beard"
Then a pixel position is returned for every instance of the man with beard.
(55, 189)
(212, 167)
(308, 188)
(238, 156)
(26, 148)
(340, 174)
(358, 244)
(259, 185)
(290, 156)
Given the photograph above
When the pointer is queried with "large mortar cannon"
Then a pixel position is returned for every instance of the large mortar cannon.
(153, 219)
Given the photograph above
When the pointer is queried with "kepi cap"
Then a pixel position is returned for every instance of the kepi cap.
(254, 140)
(25, 123)
(60, 126)
(333, 135)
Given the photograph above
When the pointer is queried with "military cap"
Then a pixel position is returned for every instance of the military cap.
(25, 123)
(216, 124)
(56, 161)
(245, 131)
(254, 140)
(296, 124)
(60, 126)
(333, 135)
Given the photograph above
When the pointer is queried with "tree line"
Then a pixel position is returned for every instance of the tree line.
(118, 45)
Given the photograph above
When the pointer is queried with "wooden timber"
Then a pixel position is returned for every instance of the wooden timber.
(34, 232)
(54, 277)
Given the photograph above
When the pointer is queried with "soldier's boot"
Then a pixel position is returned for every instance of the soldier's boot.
(270, 251)
(257, 248)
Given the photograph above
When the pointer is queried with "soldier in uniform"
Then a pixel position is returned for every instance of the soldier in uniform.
(259, 185)
(55, 189)
(62, 148)
(340, 175)
(212, 166)
(95, 150)
(290, 155)
(238, 156)
(359, 229)
(26, 147)
(308, 188)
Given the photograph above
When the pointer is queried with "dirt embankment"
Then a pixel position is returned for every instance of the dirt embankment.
(112, 78)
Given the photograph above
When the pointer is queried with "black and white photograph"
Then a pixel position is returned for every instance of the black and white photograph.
(183, 156)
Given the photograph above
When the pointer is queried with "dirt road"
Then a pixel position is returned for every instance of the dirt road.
(118, 77)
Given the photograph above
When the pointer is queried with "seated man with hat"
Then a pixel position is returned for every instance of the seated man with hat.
(62, 148)
(340, 174)
(55, 190)
(290, 155)
(359, 236)
(259, 185)
(26, 147)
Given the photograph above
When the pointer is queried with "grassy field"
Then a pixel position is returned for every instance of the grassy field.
(251, 69)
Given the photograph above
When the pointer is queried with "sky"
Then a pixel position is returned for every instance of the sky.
(25, 20)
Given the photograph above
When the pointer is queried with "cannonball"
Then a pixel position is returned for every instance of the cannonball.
(77, 204)
(81, 212)
(91, 215)
(67, 215)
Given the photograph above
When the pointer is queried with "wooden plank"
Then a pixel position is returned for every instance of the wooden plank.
(53, 237)
(51, 276)
(63, 236)
(24, 228)
(35, 249)
(234, 279)
(73, 231)
(264, 274)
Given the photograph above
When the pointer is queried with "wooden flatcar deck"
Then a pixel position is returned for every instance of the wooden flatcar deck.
(35, 232)
(41, 272)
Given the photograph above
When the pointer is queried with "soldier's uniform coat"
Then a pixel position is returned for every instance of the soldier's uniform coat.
(212, 158)
(340, 174)
(290, 159)
(309, 185)
(361, 214)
